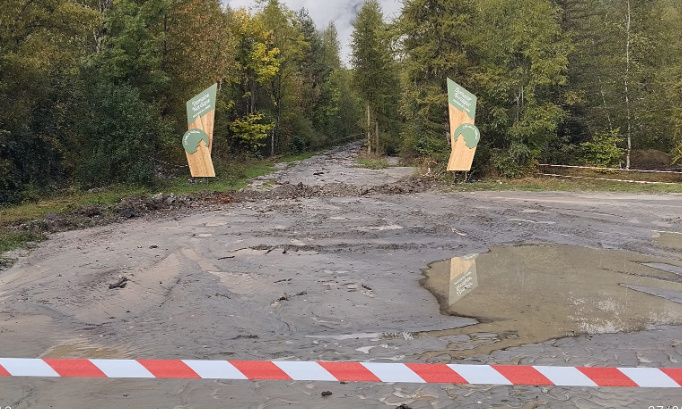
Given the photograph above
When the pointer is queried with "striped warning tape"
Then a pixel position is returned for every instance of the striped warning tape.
(344, 372)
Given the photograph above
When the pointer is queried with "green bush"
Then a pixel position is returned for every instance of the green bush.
(120, 134)
(251, 132)
(513, 162)
(677, 150)
(603, 151)
(298, 134)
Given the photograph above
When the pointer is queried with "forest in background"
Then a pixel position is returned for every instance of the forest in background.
(93, 92)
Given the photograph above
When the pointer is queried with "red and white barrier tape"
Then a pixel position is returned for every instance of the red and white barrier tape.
(611, 169)
(608, 180)
(344, 372)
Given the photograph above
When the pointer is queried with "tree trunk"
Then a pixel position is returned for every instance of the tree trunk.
(252, 99)
(99, 32)
(606, 107)
(277, 140)
(376, 130)
(520, 100)
(369, 130)
(276, 130)
(165, 40)
(627, 85)
(272, 142)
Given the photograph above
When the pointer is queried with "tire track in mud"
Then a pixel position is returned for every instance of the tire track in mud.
(390, 218)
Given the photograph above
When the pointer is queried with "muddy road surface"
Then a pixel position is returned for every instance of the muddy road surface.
(324, 261)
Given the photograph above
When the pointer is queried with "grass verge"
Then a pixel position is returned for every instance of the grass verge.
(232, 178)
(16, 239)
(546, 184)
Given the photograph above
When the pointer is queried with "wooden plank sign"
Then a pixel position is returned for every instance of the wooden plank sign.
(464, 136)
(198, 141)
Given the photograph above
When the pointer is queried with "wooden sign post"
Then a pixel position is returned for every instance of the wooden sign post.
(198, 141)
(464, 136)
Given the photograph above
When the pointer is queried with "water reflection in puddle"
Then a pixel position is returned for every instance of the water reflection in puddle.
(80, 349)
(670, 240)
(530, 294)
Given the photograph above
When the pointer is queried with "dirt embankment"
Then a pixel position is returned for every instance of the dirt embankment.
(299, 180)
(163, 205)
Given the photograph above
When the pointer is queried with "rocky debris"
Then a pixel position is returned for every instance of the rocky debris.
(326, 394)
(89, 211)
(6, 262)
(302, 191)
(121, 283)
(286, 297)
(161, 201)
(217, 198)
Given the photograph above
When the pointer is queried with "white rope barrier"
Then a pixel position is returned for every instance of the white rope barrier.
(608, 180)
(612, 169)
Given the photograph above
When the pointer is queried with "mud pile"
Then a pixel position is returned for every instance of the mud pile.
(302, 191)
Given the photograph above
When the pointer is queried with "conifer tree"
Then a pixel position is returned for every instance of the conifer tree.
(434, 45)
(374, 75)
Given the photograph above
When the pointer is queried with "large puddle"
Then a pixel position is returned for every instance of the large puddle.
(534, 293)
(670, 239)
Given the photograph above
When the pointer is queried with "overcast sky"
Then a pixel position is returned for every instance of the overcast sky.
(341, 12)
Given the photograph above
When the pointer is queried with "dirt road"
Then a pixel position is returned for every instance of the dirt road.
(323, 261)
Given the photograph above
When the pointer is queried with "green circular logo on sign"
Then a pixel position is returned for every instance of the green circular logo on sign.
(471, 134)
(192, 139)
